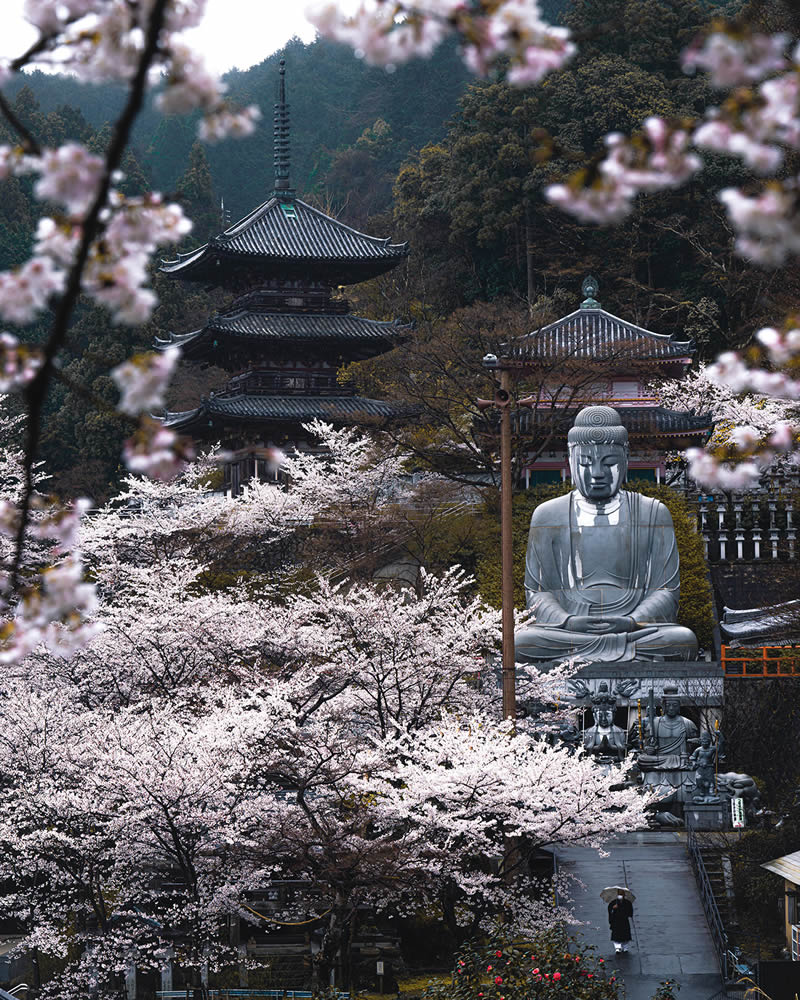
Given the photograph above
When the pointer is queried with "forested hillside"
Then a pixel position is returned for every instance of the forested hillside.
(334, 98)
(454, 166)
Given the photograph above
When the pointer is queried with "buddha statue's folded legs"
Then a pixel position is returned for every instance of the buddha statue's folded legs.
(658, 642)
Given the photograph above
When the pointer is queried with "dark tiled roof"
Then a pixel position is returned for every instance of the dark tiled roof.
(281, 241)
(309, 328)
(285, 409)
(641, 421)
(596, 334)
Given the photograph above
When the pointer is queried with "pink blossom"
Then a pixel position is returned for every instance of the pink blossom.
(27, 291)
(735, 61)
(604, 202)
(744, 438)
(156, 451)
(143, 380)
(18, 363)
(190, 84)
(766, 226)
(781, 347)
(388, 34)
(70, 176)
(221, 124)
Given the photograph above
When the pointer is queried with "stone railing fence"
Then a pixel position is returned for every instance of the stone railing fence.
(749, 527)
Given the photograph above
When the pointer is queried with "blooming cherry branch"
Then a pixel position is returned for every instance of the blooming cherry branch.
(390, 32)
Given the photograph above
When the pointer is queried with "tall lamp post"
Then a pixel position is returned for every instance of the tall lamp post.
(503, 401)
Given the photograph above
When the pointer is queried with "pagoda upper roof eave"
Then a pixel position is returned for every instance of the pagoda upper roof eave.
(275, 243)
(335, 333)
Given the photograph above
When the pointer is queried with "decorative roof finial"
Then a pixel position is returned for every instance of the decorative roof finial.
(590, 288)
(281, 140)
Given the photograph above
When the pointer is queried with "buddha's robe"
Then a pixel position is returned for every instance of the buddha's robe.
(618, 559)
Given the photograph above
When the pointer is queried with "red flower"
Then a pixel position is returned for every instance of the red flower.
(488, 968)
(590, 976)
(556, 976)
(601, 961)
(536, 972)
(498, 954)
(498, 980)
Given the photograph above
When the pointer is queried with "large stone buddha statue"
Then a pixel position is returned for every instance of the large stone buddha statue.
(601, 572)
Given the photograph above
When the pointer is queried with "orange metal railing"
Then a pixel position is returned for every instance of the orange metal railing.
(761, 661)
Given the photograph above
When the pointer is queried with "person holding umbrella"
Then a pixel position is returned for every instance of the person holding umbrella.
(620, 910)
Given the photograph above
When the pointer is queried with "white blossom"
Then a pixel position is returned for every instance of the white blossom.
(143, 380)
(27, 291)
(69, 175)
(733, 60)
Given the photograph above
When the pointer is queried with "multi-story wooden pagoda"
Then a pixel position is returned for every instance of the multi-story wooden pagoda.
(287, 332)
(591, 356)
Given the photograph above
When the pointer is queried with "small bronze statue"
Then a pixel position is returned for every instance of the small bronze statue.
(704, 761)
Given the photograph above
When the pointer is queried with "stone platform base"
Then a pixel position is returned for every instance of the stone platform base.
(699, 682)
(707, 815)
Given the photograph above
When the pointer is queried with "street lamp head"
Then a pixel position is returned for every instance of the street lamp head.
(490, 361)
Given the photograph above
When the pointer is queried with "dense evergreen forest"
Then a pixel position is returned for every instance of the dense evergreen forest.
(454, 166)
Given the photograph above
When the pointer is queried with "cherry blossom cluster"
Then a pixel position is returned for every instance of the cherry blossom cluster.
(202, 741)
(191, 85)
(156, 451)
(18, 363)
(57, 605)
(116, 269)
(653, 160)
(101, 40)
(388, 33)
(143, 379)
(754, 410)
(736, 57)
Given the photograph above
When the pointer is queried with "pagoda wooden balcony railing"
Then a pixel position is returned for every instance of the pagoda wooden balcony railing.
(287, 384)
(760, 661)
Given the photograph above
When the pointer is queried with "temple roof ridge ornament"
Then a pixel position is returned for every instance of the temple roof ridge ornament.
(590, 288)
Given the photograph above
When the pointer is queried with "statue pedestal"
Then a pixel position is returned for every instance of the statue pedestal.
(706, 815)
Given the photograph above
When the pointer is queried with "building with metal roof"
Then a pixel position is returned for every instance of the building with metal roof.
(788, 868)
(288, 331)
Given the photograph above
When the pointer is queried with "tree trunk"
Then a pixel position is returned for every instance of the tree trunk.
(529, 256)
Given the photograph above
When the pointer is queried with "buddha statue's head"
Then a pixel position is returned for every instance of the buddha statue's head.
(598, 453)
(671, 702)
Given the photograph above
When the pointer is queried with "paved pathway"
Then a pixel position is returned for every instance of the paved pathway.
(670, 934)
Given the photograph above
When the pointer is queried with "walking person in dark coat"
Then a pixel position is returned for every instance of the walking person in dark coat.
(620, 911)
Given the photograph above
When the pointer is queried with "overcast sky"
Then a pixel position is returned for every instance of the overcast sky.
(237, 33)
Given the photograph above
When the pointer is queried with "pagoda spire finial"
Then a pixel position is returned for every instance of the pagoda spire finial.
(281, 139)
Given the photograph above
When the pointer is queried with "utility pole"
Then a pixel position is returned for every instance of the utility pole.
(503, 401)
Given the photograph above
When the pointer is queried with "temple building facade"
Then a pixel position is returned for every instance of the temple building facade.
(288, 332)
(592, 356)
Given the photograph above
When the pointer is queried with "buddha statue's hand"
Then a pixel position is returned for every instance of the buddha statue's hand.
(601, 626)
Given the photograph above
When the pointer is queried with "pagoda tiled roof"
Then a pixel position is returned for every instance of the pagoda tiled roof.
(284, 236)
(259, 409)
(596, 335)
(641, 421)
(321, 329)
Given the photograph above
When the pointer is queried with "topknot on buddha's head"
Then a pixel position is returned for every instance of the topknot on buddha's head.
(597, 425)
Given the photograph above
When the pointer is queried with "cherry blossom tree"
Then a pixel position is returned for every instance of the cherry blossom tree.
(205, 740)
